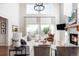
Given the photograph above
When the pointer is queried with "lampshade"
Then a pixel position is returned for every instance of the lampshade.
(17, 35)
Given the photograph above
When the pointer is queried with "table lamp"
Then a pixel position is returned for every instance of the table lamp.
(16, 38)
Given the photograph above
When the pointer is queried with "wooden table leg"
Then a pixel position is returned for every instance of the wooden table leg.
(25, 50)
(9, 52)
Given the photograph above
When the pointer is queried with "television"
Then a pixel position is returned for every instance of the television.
(61, 26)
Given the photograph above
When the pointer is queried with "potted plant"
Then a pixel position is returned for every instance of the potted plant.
(45, 30)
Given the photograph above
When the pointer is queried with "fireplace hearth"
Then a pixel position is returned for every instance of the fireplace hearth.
(74, 39)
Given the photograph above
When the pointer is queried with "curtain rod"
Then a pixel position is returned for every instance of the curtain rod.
(38, 16)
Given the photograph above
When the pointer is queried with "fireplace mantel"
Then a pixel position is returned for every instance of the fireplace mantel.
(72, 26)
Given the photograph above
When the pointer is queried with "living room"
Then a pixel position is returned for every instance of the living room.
(43, 27)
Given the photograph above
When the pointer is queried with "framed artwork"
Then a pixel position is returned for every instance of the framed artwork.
(3, 25)
(3, 31)
(73, 18)
(14, 28)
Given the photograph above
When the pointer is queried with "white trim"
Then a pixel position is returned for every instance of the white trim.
(38, 15)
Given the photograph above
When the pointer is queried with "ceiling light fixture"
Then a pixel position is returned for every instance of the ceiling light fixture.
(39, 7)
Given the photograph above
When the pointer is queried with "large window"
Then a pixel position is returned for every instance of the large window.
(39, 30)
(32, 29)
(46, 25)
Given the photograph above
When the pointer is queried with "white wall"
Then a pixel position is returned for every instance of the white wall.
(11, 12)
(62, 20)
(55, 13)
(78, 14)
(22, 19)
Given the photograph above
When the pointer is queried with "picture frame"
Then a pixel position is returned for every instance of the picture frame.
(3, 25)
(14, 28)
(73, 18)
(3, 31)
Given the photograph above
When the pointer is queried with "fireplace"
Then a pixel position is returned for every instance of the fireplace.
(74, 39)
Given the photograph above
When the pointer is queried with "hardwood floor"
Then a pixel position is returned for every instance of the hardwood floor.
(3, 51)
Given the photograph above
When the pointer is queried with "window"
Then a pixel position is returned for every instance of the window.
(39, 30)
(32, 29)
(46, 25)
